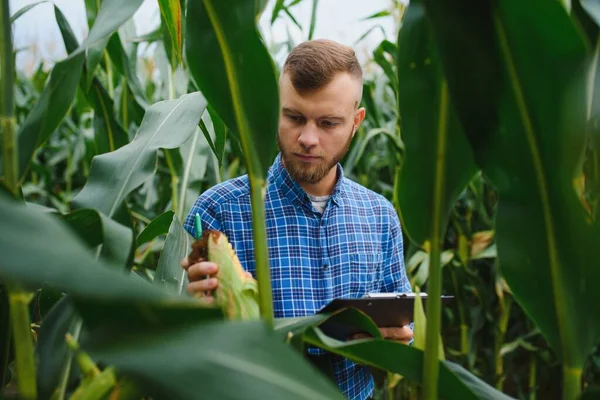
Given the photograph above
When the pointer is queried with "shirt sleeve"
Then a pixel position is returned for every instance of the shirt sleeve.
(209, 215)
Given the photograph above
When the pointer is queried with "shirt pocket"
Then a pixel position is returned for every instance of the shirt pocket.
(364, 271)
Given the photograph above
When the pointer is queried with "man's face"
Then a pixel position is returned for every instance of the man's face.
(315, 130)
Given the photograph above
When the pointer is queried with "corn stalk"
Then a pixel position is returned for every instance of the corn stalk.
(18, 298)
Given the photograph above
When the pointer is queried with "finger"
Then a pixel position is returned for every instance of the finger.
(397, 333)
(201, 286)
(357, 336)
(249, 275)
(201, 269)
(185, 263)
(208, 300)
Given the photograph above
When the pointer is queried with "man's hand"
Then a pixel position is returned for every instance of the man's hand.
(199, 286)
(401, 334)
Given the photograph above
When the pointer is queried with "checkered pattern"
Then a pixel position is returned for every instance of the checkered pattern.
(355, 247)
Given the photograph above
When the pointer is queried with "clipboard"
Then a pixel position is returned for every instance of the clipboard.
(385, 309)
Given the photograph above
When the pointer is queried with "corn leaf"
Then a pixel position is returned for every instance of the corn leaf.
(240, 80)
(177, 246)
(98, 230)
(24, 10)
(240, 83)
(438, 162)
(166, 124)
(108, 133)
(172, 16)
(219, 360)
(158, 226)
(522, 104)
(59, 93)
(454, 381)
(51, 348)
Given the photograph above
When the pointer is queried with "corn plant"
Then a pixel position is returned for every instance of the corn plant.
(99, 260)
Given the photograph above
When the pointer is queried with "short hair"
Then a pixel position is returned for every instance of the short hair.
(313, 64)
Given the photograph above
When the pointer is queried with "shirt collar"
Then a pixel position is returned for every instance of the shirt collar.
(279, 176)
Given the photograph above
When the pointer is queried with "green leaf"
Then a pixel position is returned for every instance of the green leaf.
(51, 347)
(24, 9)
(454, 381)
(240, 80)
(438, 161)
(592, 7)
(98, 230)
(220, 130)
(94, 56)
(166, 124)
(383, 13)
(112, 14)
(158, 226)
(50, 109)
(108, 132)
(178, 245)
(195, 155)
(59, 93)
(276, 10)
(219, 360)
(126, 68)
(528, 137)
(171, 16)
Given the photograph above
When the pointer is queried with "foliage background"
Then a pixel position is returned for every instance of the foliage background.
(484, 330)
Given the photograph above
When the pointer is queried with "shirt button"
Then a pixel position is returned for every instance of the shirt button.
(325, 266)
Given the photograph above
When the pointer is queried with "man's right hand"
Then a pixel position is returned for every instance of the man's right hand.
(199, 286)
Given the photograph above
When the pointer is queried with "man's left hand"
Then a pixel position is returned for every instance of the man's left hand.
(401, 334)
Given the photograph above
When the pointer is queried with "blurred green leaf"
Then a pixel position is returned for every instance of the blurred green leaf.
(51, 347)
(592, 7)
(60, 91)
(195, 154)
(383, 13)
(24, 9)
(454, 381)
(126, 68)
(178, 245)
(98, 230)
(245, 98)
(158, 226)
(438, 161)
(108, 132)
(49, 110)
(219, 360)
(276, 10)
(519, 126)
(172, 17)
(93, 58)
(166, 124)
(112, 14)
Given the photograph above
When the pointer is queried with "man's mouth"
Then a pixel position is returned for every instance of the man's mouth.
(307, 158)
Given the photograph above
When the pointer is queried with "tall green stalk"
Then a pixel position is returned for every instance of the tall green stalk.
(18, 299)
(8, 121)
(313, 19)
(259, 233)
(434, 285)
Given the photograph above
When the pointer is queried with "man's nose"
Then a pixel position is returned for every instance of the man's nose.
(309, 137)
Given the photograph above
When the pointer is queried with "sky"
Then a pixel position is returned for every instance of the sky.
(37, 34)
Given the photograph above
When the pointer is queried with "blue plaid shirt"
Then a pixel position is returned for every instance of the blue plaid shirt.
(355, 247)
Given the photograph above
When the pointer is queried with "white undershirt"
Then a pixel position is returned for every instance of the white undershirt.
(319, 202)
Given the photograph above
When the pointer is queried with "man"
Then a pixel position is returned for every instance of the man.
(328, 237)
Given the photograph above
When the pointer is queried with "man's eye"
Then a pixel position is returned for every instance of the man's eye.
(294, 118)
(329, 124)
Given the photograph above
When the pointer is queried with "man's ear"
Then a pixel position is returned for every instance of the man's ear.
(359, 116)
